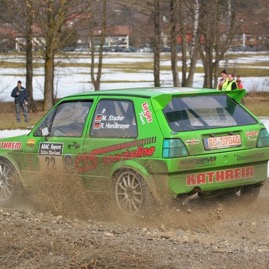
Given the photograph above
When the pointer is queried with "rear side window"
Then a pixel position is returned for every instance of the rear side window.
(114, 119)
(205, 112)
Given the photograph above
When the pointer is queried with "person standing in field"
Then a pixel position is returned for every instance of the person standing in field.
(20, 96)
(239, 83)
(223, 81)
(232, 85)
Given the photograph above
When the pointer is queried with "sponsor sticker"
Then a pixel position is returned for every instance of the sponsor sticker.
(30, 142)
(146, 113)
(220, 176)
(50, 149)
(252, 135)
(10, 145)
(192, 142)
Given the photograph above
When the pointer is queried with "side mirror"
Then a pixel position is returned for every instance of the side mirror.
(45, 132)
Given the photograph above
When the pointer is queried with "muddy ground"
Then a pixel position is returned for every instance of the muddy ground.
(61, 226)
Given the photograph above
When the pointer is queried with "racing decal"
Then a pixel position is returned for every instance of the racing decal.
(146, 113)
(89, 161)
(10, 145)
(121, 146)
(50, 149)
(109, 122)
(192, 142)
(252, 135)
(220, 176)
(133, 154)
(198, 162)
(256, 156)
(85, 162)
(50, 162)
(30, 142)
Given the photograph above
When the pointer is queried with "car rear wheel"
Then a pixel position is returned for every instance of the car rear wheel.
(131, 193)
(10, 186)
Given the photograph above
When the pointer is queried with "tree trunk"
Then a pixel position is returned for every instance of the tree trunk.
(29, 58)
(49, 78)
(157, 41)
(173, 33)
(96, 79)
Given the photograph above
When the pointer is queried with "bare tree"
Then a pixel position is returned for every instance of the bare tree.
(29, 54)
(157, 43)
(149, 14)
(96, 78)
(52, 18)
(173, 37)
(19, 14)
(218, 23)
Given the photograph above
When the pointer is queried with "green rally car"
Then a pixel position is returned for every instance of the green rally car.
(143, 145)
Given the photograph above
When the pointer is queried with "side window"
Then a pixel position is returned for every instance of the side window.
(46, 122)
(115, 119)
(67, 120)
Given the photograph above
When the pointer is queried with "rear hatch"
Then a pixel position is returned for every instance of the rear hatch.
(215, 128)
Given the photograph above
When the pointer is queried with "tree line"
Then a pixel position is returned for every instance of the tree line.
(205, 29)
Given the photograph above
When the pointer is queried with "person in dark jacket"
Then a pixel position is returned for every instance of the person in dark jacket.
(21, 101)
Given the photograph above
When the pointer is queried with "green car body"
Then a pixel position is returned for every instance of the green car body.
(143, 143)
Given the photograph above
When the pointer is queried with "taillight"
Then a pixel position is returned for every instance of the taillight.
(263, 140)
(173, 148)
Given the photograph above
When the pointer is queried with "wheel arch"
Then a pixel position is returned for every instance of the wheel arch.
(141, 170)
(14, 164)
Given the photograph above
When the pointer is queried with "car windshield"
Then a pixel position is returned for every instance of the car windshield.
(205, 112)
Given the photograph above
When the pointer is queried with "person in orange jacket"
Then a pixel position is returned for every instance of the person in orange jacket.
(239, 83)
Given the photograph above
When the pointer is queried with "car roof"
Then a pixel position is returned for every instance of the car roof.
(149, 92)
(161, 93)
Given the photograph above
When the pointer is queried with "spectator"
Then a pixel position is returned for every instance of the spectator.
(223, 81)
(239, 83)
(21, 101)
(232, 85)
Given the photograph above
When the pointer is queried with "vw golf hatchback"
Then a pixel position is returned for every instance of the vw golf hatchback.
(143, 145)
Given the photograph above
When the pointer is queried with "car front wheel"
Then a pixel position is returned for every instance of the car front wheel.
(10, 186)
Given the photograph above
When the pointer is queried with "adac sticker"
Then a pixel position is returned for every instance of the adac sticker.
(10, 145)
(50, 149)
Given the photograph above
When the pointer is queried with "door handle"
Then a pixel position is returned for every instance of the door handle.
(73, 145)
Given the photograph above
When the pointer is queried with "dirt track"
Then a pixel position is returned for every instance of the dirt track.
(62, 229)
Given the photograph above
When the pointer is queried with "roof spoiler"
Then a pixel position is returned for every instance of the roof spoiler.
(237, 95)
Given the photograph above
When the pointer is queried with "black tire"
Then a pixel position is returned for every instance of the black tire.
(250, 193)
(10, 185)
(246, 194)
(131, 193)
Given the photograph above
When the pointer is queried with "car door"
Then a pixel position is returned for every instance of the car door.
(113, 126)
(56, 152)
